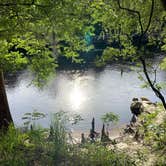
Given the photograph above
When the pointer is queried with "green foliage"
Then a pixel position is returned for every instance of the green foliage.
(99, 62)
(155, 133)
(30, 118)
(48, 29)
(13, 60)
(114, 54)
(52, 147)
(58, 136)
(75, 119)
(161, 161)
(34, 35)
(11, 142)
(111, 53)
(160, 132)
(163, 64)
(148, 119)
(67, 118)
(122, 28)
(110, 117)
(96, 154)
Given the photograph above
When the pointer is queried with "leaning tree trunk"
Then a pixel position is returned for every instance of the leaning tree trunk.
(155, 90)
(5, 116)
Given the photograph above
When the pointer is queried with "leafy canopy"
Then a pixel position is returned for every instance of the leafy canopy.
(34, 34)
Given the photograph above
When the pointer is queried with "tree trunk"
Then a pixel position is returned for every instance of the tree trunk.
(155, 90)
(5, 116)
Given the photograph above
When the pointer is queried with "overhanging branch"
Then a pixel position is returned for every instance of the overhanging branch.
(143, 33)
(157, 92)
(133, 11)
(150, 18)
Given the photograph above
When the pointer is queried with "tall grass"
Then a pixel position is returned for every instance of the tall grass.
(58, 138)
(98, 155)
(40, 147)
(11, 144)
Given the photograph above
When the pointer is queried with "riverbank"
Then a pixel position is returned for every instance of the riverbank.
(145, 139)
(142, 142)
(114, 133)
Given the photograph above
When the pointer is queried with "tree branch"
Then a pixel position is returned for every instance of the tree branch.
(157, 92)
(150, 18)
(143, 33)
(133, 11)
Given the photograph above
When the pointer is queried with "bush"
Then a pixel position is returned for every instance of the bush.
(98, 155)
(52, 147)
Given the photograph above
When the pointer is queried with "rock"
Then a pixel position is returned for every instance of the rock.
(111, 147)
(144, 99)
(122, 145)
(135, 99)
(135, 143)
(136, 107)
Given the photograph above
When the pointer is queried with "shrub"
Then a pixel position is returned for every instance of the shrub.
(98, 155)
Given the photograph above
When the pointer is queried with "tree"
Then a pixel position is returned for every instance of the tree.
(142, 45)
(33, 34)
(133, 26)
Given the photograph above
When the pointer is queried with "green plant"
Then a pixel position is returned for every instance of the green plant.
(98, 155)
(11, 144)
(110, 118)
(59, 135)
(31, 118)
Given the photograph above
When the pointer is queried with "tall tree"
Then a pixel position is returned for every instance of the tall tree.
(131, 28)
(34, 33)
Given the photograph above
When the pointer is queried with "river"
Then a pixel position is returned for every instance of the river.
(90, 93)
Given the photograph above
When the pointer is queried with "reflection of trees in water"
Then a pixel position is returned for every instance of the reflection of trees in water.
(12, 80)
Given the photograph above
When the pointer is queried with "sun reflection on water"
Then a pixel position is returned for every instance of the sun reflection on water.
(77, 96)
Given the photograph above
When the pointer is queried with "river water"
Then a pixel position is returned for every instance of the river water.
(90, 93)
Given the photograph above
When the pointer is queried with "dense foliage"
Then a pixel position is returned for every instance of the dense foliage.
(36, 33)
(52, 147)
(33, 34)
(153, 132)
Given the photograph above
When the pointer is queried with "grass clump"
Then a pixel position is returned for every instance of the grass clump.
(98, 155)
(52, 147)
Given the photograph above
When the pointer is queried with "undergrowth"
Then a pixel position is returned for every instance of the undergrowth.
(51, 147)
(154, 134)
